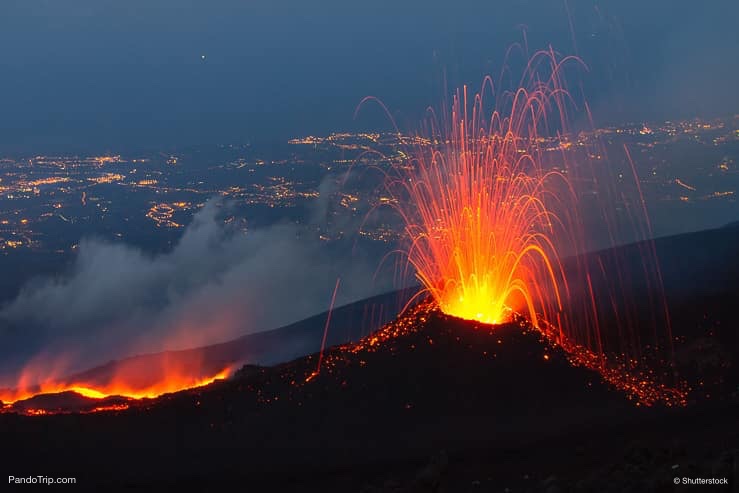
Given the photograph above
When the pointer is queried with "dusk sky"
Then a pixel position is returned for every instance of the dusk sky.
(111, 75)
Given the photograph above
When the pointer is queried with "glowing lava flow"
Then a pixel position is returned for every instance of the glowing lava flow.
(120, 386)
(479, 209)
(47, 382)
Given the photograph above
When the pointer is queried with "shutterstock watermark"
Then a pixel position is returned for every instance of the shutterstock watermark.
(696, 481)
(40, 480)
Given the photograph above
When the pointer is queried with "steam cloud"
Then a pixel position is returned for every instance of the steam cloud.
(215, 284)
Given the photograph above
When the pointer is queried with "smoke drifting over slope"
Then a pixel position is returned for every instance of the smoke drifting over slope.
(216, 283)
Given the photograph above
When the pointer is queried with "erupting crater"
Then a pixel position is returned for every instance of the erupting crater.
(482, 213)
(494, 197)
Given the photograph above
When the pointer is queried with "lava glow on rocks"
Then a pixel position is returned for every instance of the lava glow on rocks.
(641, 385)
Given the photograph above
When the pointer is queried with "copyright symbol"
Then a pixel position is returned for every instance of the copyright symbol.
(676, 480)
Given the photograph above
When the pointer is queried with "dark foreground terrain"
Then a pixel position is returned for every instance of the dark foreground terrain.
(429, 403)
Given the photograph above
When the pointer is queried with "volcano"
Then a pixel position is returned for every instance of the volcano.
(428, 402)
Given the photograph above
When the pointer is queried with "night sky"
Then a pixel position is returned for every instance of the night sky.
(113, 75)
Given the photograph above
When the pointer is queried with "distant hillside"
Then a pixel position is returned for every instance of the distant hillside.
(348, 323)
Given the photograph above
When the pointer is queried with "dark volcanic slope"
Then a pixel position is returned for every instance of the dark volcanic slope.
(376, 411)
(506, 416)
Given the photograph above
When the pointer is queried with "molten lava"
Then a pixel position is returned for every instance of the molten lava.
(480, 209)
(130, 380)
(172, 383)
(495, 199)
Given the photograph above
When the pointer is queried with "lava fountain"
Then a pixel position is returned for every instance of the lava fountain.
(481, 211)
(493, 199)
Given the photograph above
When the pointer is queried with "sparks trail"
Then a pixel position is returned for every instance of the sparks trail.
(493, 200)
(325, 330)
(480, 210)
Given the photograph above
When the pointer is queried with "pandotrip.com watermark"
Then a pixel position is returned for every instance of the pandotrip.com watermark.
(40, 480)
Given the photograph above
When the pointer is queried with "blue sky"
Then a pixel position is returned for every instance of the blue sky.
(103, 74)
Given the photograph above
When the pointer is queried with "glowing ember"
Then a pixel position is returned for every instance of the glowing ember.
(641, 385)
